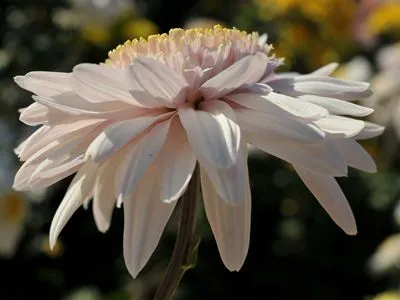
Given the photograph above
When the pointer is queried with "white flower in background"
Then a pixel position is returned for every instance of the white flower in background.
(386, 87)
(358, 69)
(101, 12)
(386, 256)
(134, 128)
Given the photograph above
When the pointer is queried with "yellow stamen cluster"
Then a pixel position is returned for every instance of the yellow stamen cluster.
(178, 40)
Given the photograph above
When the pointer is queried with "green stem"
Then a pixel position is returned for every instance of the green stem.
(185, 250)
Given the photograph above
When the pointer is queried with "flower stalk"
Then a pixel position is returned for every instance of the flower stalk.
(185, 250)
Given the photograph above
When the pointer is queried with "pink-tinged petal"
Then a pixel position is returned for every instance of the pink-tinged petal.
(45, 84)
(340, 127)
(229, 183)
(245, 71)
(370, 130)
(279, 104)
(73, 104)
(321, 86)
(145, 217)
(230, 223)
(355, 155)
(212, 134)
(164, 85)
(329, 194)
(104, 199)
(101, 83)
(321, 157)
(79, 189)
(34, 114)
(267, 124)
(176, 163)
(117, 135)
(325, 70)
(139, 157)
(64, 132)
(55, 173)
(338, 107)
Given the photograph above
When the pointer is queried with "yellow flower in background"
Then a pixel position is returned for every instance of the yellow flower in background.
(13, 210)
(139, 28)
(386, 17)
(389, 295)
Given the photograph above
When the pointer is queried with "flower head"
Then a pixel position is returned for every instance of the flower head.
(134, 128)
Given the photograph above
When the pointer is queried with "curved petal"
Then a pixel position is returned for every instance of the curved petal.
(176, 163)
(370, 130)
(321, 86)
(230, 224)
(102, 83)
(45, 84)
(274, 103)
(139, 157)
(74, 105)
(145, 217)
(245, 71)
(119, 134)
(323, 158)
(338, 107)
(104, 199)
(150, 76)
(63, 133)
(79, 189)
(267, 124)
(229, 183)
(213, 135)
(340, 127)
(355, 155)
(330, 196)
(325, 70)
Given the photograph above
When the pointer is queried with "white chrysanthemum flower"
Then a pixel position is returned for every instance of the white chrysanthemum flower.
(386, 87)
(134, 128)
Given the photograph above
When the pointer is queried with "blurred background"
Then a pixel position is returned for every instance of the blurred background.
(296, 251)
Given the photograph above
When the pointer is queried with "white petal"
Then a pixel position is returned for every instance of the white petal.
(62, 132)
(322, 157)
(321, 86)
(261, 123)
(340, 127)
(45, 83)
(75, 105)
(79, 189)
(148, 75)
(139, 158)
(213, 135)
(370, 130)
(101, 83)
(230, 224)
(104, 193)
(326, 70)
(338, 107)
(145, 217)
(55, 173)
(355, 155)
(117, 135)
(229, 183)
(330, 196)
(273, 103)
(176, 163)
(245, 71)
